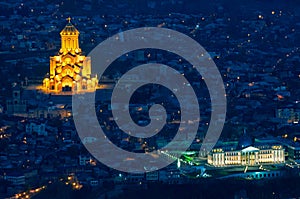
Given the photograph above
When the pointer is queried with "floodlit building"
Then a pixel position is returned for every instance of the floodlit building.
(246, 153)
(70, 70)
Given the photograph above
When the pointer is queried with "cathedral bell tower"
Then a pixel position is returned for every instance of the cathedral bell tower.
(69, 39)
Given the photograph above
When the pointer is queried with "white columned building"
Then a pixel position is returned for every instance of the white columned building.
(246, 153)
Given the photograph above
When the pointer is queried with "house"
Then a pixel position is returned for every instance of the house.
(16, 105)
(34, 127)
(16, 178)
(84, 160)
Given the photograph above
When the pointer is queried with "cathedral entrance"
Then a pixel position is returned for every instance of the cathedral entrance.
(66, 89)
(249, 156)
(67, 84)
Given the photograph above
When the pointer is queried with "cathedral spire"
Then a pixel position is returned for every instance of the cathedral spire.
(69, 19)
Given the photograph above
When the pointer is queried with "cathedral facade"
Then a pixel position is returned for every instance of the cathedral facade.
(70, 71)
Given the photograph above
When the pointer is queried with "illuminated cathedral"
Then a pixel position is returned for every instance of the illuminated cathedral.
(70, 71)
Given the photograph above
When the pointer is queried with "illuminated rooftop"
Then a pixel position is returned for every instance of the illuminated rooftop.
(69, 29)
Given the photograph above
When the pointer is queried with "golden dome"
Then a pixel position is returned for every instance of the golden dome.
(69, 29)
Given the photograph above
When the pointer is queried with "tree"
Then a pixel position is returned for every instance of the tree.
(4, 144)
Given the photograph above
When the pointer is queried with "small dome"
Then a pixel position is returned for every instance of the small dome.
(245, 141)
(69, 29)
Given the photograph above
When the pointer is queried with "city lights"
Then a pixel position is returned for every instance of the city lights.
(46, 60)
